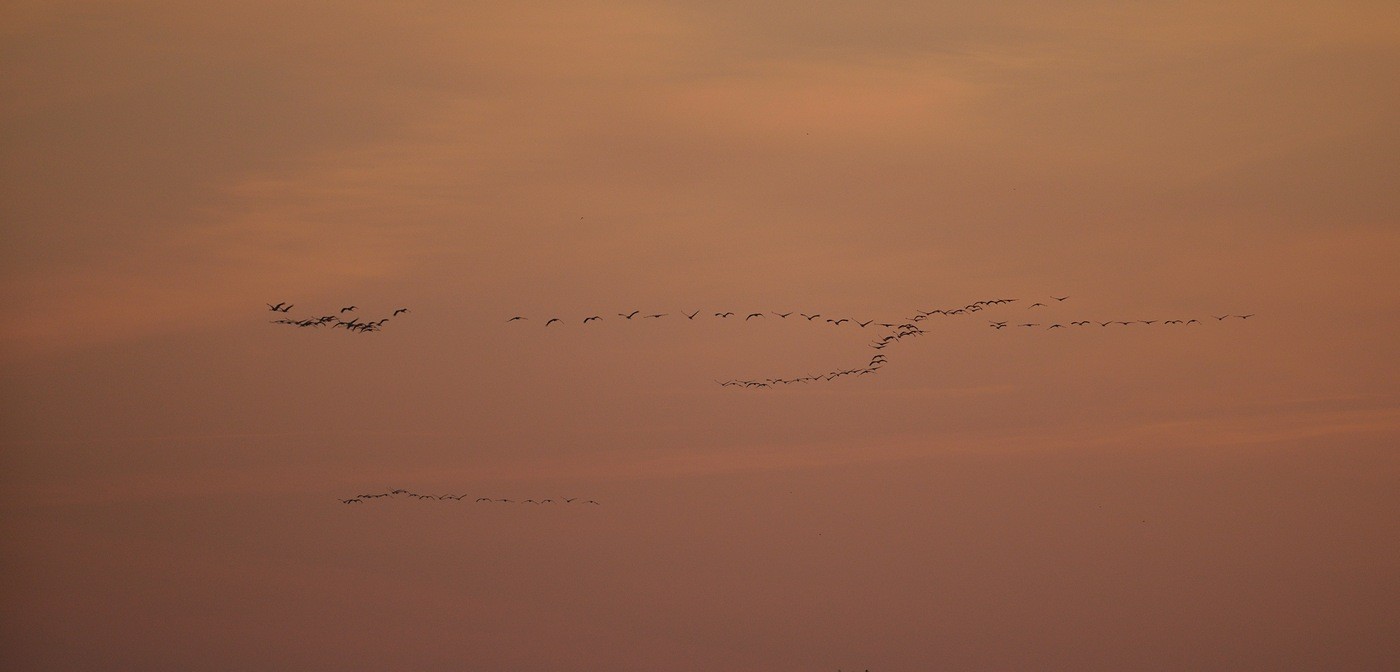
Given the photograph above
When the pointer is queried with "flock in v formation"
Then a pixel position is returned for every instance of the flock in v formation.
(888, 333)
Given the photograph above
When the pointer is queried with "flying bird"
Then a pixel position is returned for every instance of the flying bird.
(629, 315)
(690, 316)
(810, 317)
(753, 315)
(1059, 298)
(586, 320)
(347, 309)
(552, 321)
(783, 315)
(517, 317)
(726, 314)
(401, 310)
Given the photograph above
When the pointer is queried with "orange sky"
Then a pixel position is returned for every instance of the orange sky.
(1213, 497)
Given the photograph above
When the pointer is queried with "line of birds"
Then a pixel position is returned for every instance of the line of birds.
(810, 317)
(405, 494)
(334, 320)
(1086, 323)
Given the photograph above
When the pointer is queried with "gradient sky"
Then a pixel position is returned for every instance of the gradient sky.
(1221, 497)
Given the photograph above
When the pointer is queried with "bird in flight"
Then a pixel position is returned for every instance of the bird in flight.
(725, 314)
(279, 307)
(810, 317)
(1037, 303)
(865, 323)
(753, 315)
(629, 315)
(656, 315)
(552, 321)
(517, 317)
(783, 315)
(347, 309)
(401, 310)
(690, 316)
(586, 320)
(1242, 317)
(1059, 298)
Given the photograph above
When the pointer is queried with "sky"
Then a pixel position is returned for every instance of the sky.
(1211, 496)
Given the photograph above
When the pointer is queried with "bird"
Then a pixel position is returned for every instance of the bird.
(656, 315)
(783, 315)
(352, 500)
(1220, 317)
(1242, 317)
(1056, 326)
(348, 308)
(401, 310)
(483, 499)
(1031, 324)
(1037, 303)
(586, 320)
(810, 317)
(690, 316)
(590, 502)
(726, 314)
(278, 308)
(629, 315)
(517, 317)
(865, 323)
(1059, 298)
(552, 321)
(753, 315)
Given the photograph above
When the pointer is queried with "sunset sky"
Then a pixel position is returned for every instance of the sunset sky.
(1213, 496)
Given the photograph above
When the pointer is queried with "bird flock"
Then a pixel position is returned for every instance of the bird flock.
(889, 332)
(400, 493)
(334, 320)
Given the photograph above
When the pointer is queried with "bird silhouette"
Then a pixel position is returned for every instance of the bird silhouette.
(517, 317)
(586, 320)
(753, 315)
(725, 314)
(629, 315)
(401, 310)
(1059, 298)
(552, 321)
(347, 309)
(783, 315)
(690, 316)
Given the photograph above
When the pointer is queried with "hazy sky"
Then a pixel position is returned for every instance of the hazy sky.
(1145, 497)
